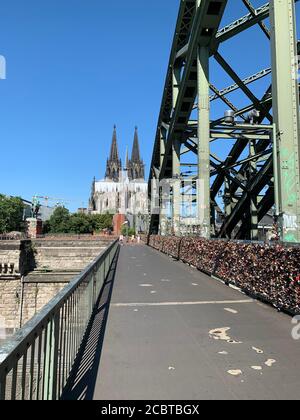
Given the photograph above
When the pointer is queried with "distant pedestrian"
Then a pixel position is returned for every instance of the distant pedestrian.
(121, 240)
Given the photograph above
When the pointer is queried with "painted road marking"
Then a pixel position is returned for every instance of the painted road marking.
(212, 302)
(232, 311)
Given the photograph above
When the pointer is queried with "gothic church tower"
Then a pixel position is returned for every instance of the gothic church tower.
(114, 164)
(136, 167)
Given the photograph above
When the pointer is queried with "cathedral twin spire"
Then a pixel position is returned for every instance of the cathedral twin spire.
(114, 164)
(134, 166)
(114, 153)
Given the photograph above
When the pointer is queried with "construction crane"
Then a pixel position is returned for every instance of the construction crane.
(47, 199)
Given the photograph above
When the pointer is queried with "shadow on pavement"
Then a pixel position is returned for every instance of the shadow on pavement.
(81, 384)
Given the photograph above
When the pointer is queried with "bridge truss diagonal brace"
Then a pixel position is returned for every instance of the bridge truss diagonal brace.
(286, 115)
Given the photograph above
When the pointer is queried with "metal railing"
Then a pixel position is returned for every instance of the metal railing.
(36, 363)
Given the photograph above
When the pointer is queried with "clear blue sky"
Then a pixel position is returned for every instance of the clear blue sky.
(74, 69)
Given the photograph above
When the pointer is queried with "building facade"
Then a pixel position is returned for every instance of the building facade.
(124, 190)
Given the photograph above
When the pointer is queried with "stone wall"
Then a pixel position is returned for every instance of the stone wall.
(46, 266)
(10, 295)
(36, 296)
(51, 255)
(16, 307)
(16, 258)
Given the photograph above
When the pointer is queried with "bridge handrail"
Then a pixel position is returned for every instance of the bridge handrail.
(52, 338)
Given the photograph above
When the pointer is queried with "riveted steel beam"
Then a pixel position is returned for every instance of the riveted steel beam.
(256, 173)
(286, 115)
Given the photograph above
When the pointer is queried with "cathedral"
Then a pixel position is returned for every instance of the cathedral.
(124, 190)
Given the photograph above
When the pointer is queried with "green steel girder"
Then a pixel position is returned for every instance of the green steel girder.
(181, 37)
(264, 207)
(255, 158)
(251, 19)
(257, 104)
(262, 25)
(242, 24)
(254, 187)
(198, 30)
(247, 81)
(286, 115)
(188, 86)
(238, 147)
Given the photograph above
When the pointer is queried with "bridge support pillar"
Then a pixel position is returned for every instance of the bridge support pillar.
(286, 116)
(163, 195)
(176, 204)
(203, 188)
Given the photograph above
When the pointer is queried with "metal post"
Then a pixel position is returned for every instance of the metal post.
(176, 84)
(51, 358)
(162, 216)
(228, 204)
(176, 204)
(286, 114)
(253, 198)
(53, 368)
(204, 142)
(276, 171)
(2, 386)
(21, 303)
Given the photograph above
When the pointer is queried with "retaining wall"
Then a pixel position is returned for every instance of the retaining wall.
(47, 266)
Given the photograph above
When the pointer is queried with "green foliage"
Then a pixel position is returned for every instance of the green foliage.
(62, 222)
(101, 222)
(80, 224)
(11, 214)
(130, 232)
(46, 227)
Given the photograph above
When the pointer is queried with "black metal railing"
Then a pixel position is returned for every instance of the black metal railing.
(35, 364)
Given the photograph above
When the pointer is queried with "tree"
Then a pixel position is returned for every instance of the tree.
(101, 222)
(80, 224)
(63, 222)
(11, 214)
(126, 231)
(46, 227)
(60, 221)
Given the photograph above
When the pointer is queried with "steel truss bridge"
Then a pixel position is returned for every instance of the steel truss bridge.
(261, 171)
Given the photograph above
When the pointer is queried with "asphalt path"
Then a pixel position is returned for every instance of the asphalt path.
(173, 333)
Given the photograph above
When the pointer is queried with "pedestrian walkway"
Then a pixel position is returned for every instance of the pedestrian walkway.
(165, 331)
